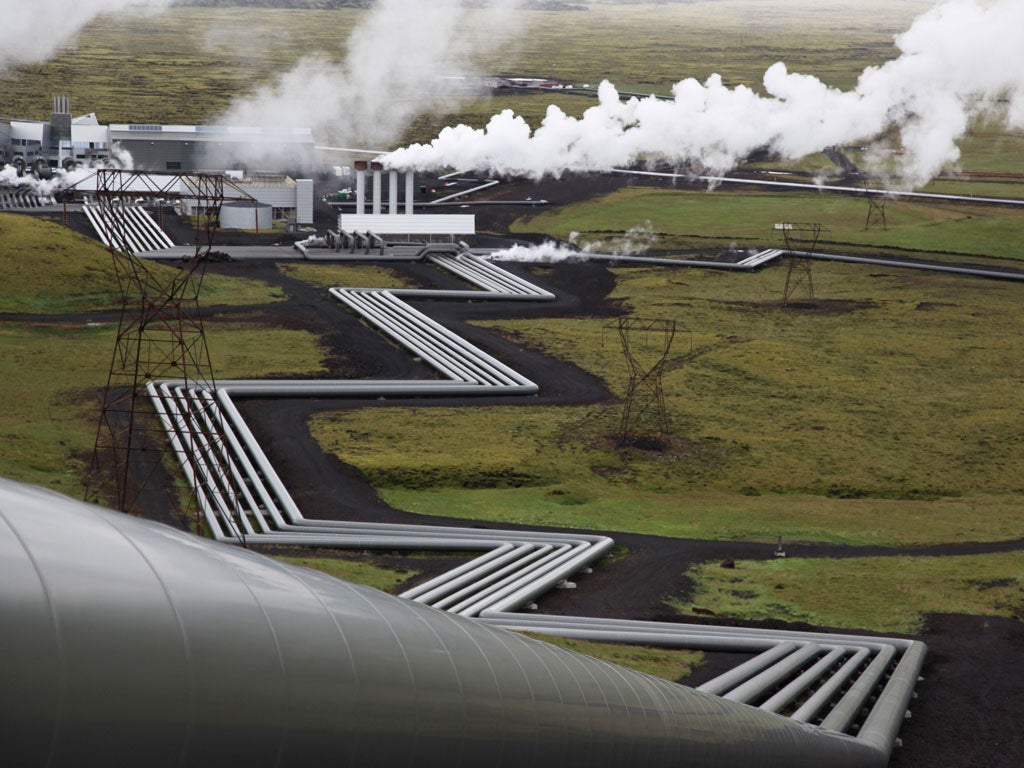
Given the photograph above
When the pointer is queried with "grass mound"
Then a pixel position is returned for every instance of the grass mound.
(47, 268)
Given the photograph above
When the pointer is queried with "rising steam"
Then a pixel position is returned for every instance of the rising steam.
(36, 29)
(960, 60)
(637, 240)
(10, 180)
(399, 63)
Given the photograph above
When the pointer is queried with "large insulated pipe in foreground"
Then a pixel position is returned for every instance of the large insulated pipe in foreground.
(360, 187)
(127, 642)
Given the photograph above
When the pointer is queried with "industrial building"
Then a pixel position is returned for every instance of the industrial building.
(65, 140)
(39, 148)
(377, 222)
(198, 147)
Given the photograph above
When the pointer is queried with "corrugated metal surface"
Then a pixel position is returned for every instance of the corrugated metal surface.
(279, 197)
(404, 224)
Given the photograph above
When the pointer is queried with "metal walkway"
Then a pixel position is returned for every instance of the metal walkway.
(856, 685)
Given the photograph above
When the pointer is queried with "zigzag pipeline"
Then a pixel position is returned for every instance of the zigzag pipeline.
(852, 684)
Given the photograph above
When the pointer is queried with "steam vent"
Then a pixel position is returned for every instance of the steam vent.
(130, 643)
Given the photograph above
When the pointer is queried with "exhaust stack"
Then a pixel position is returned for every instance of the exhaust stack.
(393, 193)
(376, 168)
(360, 187)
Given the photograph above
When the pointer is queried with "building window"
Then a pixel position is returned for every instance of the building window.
(173, 165)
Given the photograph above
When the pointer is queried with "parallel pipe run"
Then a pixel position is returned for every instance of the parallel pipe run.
(141, 233)
(826, 188)
(243, 499)
(783, 670)
(727, 681)
(464, 192)
(800, 684)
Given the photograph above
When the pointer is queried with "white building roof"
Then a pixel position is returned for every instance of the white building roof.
(406, 224)
(219, 133)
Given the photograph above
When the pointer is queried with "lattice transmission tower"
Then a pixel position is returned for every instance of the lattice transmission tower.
(876, 210)
(645, 345)
(160, 336)
(801, 240)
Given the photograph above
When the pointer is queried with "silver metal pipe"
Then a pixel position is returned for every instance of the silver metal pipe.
(849, 706)
(757, 685)
(360, 189)
(213, 655)
(817, 701)
(376, 191)
(727, 681)
(804, 681)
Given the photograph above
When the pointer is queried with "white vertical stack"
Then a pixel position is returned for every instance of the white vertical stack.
(304, 201)
(360, 187)
(410, 192)
(393, 193)
(376, 168)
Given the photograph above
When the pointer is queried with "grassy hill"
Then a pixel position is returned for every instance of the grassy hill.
(46, 268)
(55, 364)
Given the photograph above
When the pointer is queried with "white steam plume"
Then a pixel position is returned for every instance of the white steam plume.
(61, 179)
(395, 68)
(635, 241)
(547, 252)
(959, 60)
(34, 30)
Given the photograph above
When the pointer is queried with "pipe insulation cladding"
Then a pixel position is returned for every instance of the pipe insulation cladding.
(126, 642)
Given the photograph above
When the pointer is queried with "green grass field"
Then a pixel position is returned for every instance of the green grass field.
(54, 371)
(888, 416)
(53, 368)
(882, 594)
(345, 275)
(720, 218)
(46, 268)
